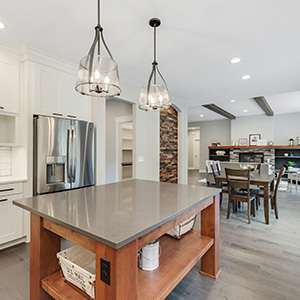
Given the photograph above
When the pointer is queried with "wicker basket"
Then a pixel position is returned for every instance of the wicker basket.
(78, 267)
(183, 228)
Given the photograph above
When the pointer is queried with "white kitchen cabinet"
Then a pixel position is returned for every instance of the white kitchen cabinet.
(76, 105)
(55, 94)
(48, 91)
(11, 216)
(9, 82)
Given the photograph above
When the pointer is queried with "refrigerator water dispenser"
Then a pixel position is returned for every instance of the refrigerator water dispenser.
(55, 169)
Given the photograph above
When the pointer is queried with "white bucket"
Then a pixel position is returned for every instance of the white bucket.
(149, 256)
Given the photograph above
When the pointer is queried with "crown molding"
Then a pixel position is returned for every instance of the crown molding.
(42, 57)
(13, 49)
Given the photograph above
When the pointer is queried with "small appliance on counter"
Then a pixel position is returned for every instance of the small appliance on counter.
(63, 152)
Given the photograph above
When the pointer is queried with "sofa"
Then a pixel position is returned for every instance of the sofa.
(264, 168)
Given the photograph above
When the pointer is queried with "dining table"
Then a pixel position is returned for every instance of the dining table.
(262, 180)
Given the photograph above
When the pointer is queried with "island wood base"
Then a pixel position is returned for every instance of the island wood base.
(127, 281)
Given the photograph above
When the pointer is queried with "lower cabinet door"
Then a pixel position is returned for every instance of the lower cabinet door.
(11, 219)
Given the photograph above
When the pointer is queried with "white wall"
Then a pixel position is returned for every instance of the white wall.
(286, 126)
(114, 108)
(241, 127)
(147, 137)
(218, 130)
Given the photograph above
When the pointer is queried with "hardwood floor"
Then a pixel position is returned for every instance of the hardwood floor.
(258, 261)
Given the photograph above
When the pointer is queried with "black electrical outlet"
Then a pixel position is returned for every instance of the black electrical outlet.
(105, 270)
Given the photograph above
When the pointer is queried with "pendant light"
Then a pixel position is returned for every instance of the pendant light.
(98, 75)
(154, 96)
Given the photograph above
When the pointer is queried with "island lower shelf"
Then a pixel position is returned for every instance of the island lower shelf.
(177, 259)
(55, 286)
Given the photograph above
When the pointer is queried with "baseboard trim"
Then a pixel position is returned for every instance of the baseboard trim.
(12, 243)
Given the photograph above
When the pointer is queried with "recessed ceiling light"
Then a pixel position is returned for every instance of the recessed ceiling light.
(245, 110)
(201, 116)
(233, 100)
(245, 77)
(235, 60)
(2, 25)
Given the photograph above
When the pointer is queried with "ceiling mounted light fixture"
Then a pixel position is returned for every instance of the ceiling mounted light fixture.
(98, 75)
(245, 77)
(153, 96)
(235, 60)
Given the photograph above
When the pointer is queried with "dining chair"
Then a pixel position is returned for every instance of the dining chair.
(238, 182)
(217, 173)
(273, 195)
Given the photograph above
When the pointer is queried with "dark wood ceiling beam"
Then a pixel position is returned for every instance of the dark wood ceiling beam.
(219, 111)
(264, 105)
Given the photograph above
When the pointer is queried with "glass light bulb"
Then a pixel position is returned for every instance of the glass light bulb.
(106, 79)
(97, 75)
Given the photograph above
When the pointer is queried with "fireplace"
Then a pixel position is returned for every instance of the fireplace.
(253, 157)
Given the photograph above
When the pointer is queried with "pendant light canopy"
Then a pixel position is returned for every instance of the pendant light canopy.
(154, 96)
(98, 75)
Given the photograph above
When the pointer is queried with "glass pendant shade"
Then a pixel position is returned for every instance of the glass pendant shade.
(154, 96)
(156, 99)
(98, 76)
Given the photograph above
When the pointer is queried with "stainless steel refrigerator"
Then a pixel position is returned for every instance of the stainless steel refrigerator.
(63, 154)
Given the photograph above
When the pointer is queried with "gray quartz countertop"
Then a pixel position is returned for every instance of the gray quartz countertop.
(118, 213)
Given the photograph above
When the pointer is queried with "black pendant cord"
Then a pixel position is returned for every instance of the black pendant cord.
(99, 26)
(154, 62)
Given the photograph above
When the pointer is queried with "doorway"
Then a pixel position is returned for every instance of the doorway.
(194, 148)
(126, 155)
(196, 153)
(119, 152)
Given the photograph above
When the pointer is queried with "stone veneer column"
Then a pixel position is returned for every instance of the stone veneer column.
(169, 145)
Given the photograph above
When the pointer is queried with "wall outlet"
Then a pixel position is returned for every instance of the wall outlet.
(141, 159)
(105, 270)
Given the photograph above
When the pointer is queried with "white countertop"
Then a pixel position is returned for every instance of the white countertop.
(11, 179)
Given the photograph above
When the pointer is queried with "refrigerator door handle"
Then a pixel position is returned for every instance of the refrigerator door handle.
(73, 154)
(69, 141)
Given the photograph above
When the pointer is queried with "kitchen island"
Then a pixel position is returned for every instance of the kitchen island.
(114, 221)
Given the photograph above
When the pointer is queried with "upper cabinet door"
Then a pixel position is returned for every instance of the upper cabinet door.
(48, 91)
(56, 95)
(9, 83)
(76, 105)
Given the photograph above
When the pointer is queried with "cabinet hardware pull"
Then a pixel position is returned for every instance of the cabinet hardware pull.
(3, 200)
(57, 114)
(1, 107)
(7, 190)
(71, 116)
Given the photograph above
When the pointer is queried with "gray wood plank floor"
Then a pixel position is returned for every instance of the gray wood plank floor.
(258, 261)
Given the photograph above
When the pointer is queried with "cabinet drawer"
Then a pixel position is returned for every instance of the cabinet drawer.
(10, 189)
(11, 219)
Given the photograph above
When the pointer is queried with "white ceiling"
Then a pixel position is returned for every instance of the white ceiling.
(196, 41)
